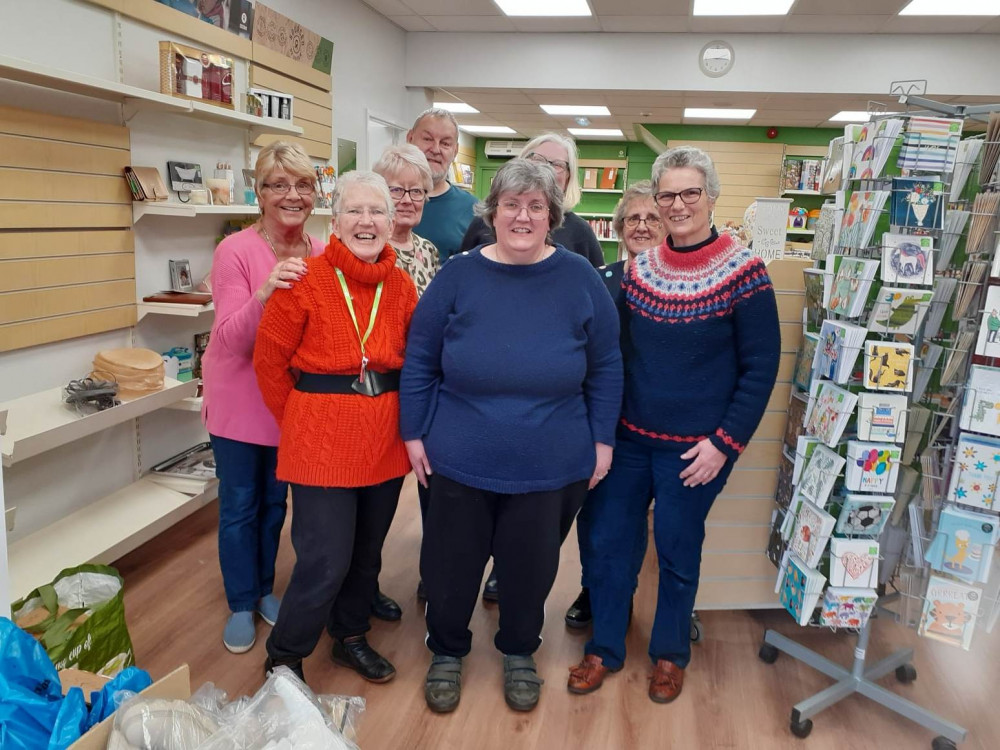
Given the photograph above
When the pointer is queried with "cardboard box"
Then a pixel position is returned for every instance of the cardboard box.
(191, 73)
(176, 685)
(590, 177)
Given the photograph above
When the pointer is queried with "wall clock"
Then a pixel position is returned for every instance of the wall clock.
(716, 58)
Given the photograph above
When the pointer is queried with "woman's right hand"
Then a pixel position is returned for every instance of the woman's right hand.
(283, 275)
(418, 460)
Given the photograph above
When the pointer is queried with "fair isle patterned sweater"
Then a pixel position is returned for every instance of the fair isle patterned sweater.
(701, 340)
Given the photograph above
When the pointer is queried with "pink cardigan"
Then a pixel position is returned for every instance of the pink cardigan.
(233, 407)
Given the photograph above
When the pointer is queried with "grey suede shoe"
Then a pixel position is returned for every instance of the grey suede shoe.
(443, 685)
(521, 683)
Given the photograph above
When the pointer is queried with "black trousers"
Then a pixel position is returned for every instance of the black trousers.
(523, 533)
(337, 534)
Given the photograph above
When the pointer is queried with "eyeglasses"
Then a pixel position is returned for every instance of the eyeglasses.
(417, 195)
(557, 164)
(651, 221)
(358, 213)
(281, 188)
(512, 209)
(689, 196)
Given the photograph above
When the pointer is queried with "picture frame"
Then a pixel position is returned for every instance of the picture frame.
(184, 176)
(180, 276)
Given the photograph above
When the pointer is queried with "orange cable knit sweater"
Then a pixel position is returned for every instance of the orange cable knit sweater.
(335, 440)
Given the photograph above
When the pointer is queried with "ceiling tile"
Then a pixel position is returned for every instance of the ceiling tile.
(453, 7)
(471, 23)
(492, 100)
(411, 23)
(827, 24)
(660, 24)
(736, 24)
(605, 8)
(389, 7)
(931, 24)
(847, 7)
(535, 25)
(992, 26)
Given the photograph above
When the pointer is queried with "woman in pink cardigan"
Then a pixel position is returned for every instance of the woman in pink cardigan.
(247, 268)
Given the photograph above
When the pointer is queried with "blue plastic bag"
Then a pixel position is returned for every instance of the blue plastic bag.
(30, 693)
(104, 702)
(71, 722)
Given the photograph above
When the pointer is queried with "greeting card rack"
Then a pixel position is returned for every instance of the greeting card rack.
(903, 567)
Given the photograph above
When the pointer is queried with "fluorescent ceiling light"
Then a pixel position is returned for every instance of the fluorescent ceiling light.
(855, 115)
(488, 129)
(952, 8)
(458, 108)
(544, 7)
(575, 109)
(597, 132)
(718, 113)
(742, 7)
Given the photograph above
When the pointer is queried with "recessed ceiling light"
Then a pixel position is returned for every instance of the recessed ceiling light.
(458, 108)
(952, 8)
(856, 115)
(596, 132)
(544, 7)
(742, 7)
(718, 113)
(488, 129)
(575, 109)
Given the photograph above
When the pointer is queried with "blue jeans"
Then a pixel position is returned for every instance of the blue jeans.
(583, 533)
(619, 505)
(252, 504)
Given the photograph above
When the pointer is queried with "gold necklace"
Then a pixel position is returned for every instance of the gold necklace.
(270, 244)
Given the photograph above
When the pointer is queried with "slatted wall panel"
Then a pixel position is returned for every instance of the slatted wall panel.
(67, 265)
(747, 171)
(313, 106)
(736, 573)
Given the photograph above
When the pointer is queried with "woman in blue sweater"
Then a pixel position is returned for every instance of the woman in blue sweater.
(701, 344)
(509, 398)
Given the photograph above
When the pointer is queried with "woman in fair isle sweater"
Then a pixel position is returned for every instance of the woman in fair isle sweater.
(328, 356)
(701, 342)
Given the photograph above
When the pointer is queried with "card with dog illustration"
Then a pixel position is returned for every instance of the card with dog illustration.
(845, 607)
(854, 562)
(950, 610)
(976, 471)
(888, 366)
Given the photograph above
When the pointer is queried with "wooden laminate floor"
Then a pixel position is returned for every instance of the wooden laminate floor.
(176, 610)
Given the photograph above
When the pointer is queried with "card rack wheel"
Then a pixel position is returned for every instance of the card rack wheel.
(697, 629)
(906, 673)
(800, 729)
(943, 743)
(768, 653)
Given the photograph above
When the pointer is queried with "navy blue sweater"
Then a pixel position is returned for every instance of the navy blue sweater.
(512, 372)
(575, 235)
(702, 344)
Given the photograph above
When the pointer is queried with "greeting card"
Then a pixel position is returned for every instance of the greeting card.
(964, 543)
(830, 408)
(864, 515)
(800, 586)
(854, 562)
(820, 474)
(907, 259)
(899, 310)
(837, 350)
(888, 366)
(812, 530)
(872, 467)
(917, 202)
(950, 610)
(981, 404)
(975, 472)
(847, 607)
(881, 417)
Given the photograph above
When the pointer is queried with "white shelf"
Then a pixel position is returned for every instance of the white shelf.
(173, 308)
(607, 239)
(801, 192)
(587, 213)
(800, 231)
(101, 532)
(16, 69)
(189, 210)
(41, 421)
(603, 190)
(191, 403)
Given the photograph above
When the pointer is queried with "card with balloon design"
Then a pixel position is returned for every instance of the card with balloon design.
(872, 467)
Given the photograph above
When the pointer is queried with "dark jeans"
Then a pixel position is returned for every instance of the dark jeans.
(337, 533)
(523, 532)
(619, 505)
(252, 504)
(583, 532)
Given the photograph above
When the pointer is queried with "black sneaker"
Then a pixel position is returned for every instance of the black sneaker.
(579, 615)
(385, 608)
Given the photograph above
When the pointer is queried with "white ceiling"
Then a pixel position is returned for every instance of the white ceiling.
(805, 17)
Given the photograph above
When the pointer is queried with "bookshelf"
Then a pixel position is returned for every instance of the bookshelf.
(800, 179)
(604, 181)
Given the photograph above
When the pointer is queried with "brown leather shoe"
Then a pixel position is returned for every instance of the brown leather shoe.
(665, 682)
(588, 675)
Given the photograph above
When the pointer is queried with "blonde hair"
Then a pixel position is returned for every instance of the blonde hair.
(290, 157)
(572, 194)
(396, 159)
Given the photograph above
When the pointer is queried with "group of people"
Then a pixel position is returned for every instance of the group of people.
(486, 354)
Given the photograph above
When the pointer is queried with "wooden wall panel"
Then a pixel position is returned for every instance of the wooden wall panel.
(67, 262)
(275, 81)
(275, 72)
(718, 594)
(741, 509)
(269, 58)
(737, 537)
(315, 149)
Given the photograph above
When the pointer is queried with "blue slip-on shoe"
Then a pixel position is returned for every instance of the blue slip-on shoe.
(239, 634)
(268, 608)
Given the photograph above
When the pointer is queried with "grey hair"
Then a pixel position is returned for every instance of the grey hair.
(519, 176)
(372, 180)
(692, 157)
(573, 192)
(441, 114)
(396, 159)
(641, 189)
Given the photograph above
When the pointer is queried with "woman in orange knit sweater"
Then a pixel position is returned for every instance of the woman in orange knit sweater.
(328, 356)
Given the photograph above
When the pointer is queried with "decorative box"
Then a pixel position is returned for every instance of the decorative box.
(191, 73)
(264, 103)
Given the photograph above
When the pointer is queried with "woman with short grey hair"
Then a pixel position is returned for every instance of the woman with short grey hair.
(509, 398)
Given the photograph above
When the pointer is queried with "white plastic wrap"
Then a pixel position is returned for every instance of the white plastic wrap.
(158, 724)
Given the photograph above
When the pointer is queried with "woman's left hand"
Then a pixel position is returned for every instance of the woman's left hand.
(603, 465)
(708, 462)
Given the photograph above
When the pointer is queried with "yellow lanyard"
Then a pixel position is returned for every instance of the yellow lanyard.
(371, 320)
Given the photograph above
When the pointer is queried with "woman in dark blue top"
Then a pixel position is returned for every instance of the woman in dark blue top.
(509, 398)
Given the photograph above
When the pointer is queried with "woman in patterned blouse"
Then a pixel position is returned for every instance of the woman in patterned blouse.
(406, 170)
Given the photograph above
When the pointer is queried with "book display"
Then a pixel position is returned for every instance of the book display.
(895, 470)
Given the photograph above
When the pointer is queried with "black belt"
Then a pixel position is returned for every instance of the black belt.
(373, 384)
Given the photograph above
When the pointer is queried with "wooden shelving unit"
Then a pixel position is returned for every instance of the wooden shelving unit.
(189, 210)
(170, 308)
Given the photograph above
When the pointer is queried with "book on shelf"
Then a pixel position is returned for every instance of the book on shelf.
(792, 174)
(976, 471)
(809, 178)
(590, 177)
(881, 417)
(864, 515)
(964, 543)
(907, 259)
(899, 310)
(180, 298)
(846, 607)
(854, 563)
(981, 401)
(950, 610)
(872, 467)
(609, 175)
(190, 471)
(888, 366)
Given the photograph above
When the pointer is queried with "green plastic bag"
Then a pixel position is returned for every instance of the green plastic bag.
(90, 632)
